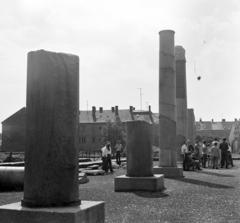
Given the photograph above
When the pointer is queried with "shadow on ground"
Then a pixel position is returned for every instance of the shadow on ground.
(11, 189)
(150, 194)
(216, 174)
(204, 183)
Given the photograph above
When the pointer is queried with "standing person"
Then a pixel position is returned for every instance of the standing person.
(197, 154)
(104, 158)
(230, 160)
(224, 153)
(204, 154)
(118, 147)
(215, 155)
(218, 145)
(209, 154)
(109, 157)
(184, 151)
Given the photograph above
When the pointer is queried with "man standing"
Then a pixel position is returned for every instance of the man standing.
(107, 157)
(184, 151)
(104, 158)
(118, 148)
(224, 153)
(197, 155)
(215, 155)
(204, 154)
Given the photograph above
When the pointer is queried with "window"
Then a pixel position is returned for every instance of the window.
(82, 139)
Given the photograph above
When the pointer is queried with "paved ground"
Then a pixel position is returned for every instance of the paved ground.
(204, 196)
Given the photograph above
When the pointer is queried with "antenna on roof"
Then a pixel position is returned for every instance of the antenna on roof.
(140, 89)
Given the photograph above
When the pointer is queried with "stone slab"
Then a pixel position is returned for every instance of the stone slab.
(93, 172)
(125, 183)
(88, 211)
(169, 172)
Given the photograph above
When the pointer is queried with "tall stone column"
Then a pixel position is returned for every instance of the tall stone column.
(181, 97)
(167, 107)
(191, 126)
(139, 161)
(51, 155)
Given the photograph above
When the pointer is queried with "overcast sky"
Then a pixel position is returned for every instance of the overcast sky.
(118, 43)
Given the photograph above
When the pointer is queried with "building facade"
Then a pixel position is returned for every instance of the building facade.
(93, 127)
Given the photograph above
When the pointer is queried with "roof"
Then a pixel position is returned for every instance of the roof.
(209, 125)
(124, 115)
(20, 112)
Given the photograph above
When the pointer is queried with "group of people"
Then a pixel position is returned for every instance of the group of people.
(106, 152)
(213, 154)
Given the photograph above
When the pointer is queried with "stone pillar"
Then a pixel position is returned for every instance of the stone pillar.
(139, 160)
(139, 149)
(191, 126)
(181, 97)
(167, 107)
(51, 155)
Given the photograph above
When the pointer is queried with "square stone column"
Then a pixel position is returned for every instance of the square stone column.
(139, 175)
(167, 107)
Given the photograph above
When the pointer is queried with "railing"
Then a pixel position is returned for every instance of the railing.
(90, 154)
(16, 156)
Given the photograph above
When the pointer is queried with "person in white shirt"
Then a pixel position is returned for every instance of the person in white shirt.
(230, 160)
(107, 158)
(184, 151)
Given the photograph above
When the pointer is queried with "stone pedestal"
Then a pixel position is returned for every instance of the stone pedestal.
(125, 183)
(88, 211)
(167, 102)
(51, 192)
(139, 175)
(169, 172)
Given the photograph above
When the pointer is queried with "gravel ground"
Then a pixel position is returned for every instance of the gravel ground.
(203, 196)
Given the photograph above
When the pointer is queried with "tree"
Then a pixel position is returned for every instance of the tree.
(114, 131)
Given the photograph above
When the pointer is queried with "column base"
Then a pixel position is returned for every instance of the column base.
(125, 183)
(169, 172)
(88, 211)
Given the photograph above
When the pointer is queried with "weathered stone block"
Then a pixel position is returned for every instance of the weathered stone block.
(88, 211)
(169, 172)
(125, 183)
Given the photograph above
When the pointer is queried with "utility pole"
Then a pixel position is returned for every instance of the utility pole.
(140, 89)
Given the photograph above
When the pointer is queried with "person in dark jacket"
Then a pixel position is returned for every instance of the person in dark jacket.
(224, 153)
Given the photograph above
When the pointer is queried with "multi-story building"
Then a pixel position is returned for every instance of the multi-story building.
(92, 127)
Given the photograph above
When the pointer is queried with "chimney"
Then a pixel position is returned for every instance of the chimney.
(112, 109)
(212, 120)
(116, 110)
(200, 120)
(235, 119)
(101, 109)
(149, 108)
(94, 113)
(223, 120)
(130, 108)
